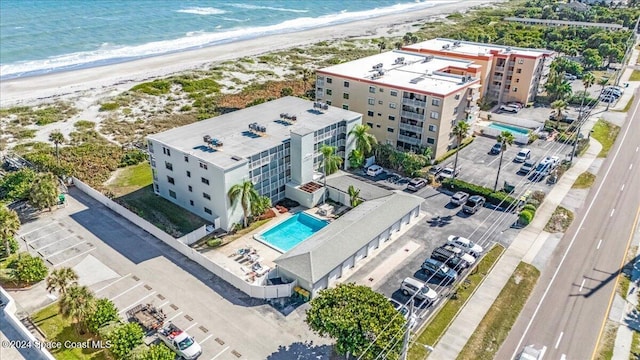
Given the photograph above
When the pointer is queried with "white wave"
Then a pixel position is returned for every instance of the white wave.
(201, 11)
(258, 7)
(193, 40)
(234, 20)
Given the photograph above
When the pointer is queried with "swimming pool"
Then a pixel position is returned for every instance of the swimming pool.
(289, 233)
(512, 129)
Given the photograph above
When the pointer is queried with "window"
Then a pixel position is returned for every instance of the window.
(203, 165)
(381, 90)
(380, 102)
(371, 101)
(369, 113)
(188, 173)
(370, 125)
(190, 188)
(390, 130)
(393, 93)
(345, 96)
(518, 71)
(457, 97)
(517, 80)
(329, 92)
(166, 151)
(191, 202)
(329, 80)
(328, 102)
(150, 147)
(433, 128)
(372, 89)
(431, 140)
(207, 210)
(168, 165)
(186, 158)
(378, 126)
(319, 91)
(345, 106)
(392, 105)
(435, 102)
(455, 111)
(205, 180)
(520, 61)
(156, 187)
(392, 118)
(346, 84)
(171, 180)
(434, 115)
(206, 196)
(515, 89)
(172, 194)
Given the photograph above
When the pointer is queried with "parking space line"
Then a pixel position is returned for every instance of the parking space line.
(65, 249)
(163, 304)
(71, 258)
(126, 291)
(190, 326)
(36, 229)
(42, 237)
(175, 316)
(111, 283)
(220, 353)
(136, 302)
(205, 339)
(53, 243)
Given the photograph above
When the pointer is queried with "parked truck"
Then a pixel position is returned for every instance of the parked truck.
(179, 341)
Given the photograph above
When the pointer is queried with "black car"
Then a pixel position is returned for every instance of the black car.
(449, 258)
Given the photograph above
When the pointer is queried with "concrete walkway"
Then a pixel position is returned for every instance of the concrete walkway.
(526, 245)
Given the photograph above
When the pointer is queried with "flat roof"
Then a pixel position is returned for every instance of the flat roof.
(565, 22)
(239, 142)
(404, 69)
(462, 47)
(342, 180)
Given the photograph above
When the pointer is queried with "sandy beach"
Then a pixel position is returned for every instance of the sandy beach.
(118, 77)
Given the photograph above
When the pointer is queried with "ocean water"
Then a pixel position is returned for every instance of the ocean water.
(44, 36)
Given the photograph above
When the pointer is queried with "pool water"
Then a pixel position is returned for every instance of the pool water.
(513, 129)
(289, 233)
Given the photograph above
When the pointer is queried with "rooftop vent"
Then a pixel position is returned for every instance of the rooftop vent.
(377, 66)
(456, 43)
(288, 118)
(236, 158)
(212, 142)
(428, 58)
(255, 127)
(508, 49)
(399, 60)
(318, 105)
(416, 80)
(446, 46)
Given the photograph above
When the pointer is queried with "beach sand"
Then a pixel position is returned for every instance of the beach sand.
(110, 79)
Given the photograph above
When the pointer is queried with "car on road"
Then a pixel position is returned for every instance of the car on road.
(465, 244)
(435, 170)
(495, 150)
(402, 309)
(416, 184)
(527, 167)
(448, 173)
(509, 108)
(459, 198)
(419, 290)
(473, 204)
(374, 170)
(439, 269)
(523, 155)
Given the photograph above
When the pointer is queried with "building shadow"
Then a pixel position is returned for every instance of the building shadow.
(304, 351)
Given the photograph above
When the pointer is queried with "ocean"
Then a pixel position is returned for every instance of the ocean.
(45, 36)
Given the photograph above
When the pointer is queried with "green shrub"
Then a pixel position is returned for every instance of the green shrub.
(156, 87)
(530, 207)
(186, 108)
(27, 269)
(13, 247)
(214, 242)
(132, 157)
(16, 185)
(497, 198)
(525, 217)
(109, 106)
(103, 313)
(124, 338)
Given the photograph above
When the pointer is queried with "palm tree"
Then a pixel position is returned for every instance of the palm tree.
(558, 106)
(44, 191)
(9, 226)
(603, 82)
(56, 138)
(587, 80)
(59, 280)
(77, 303)
(364, 140)
(330, 163)
(354, 196)
(246, 193)
(460, 131)
(382, 45)
(505, 138)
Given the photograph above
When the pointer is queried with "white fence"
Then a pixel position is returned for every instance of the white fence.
(180, 245)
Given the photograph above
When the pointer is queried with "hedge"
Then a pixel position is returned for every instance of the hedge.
(530, 207)
(498, 198)
(525, 217)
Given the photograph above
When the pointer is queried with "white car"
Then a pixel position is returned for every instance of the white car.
(466, 245)
(510, 108)
(405, 312)
(447, 173)
(374, 170)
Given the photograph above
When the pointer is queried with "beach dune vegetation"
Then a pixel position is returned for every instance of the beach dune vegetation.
(155, 87)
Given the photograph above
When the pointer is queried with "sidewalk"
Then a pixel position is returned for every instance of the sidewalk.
(526, 244)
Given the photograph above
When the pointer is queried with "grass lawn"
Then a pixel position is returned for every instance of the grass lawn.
(131, 178)
(496, 324)
(560, 220)
(58, 329)
(628, 106)
(584, 181)
(606, 134)
(635, 346)
(440, 322)
(605, 347)
(635, 76)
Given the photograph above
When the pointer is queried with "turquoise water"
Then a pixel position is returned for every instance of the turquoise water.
(45, 36)
(513, 129)
(292, 231)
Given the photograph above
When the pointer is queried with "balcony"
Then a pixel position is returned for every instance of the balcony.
(412, 128)
(500, 68)
(497, 77)
(472, 110)
(412, 115)
(414, 102)
(473, 97)
(409, 139)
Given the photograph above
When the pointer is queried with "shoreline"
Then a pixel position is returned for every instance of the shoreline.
(33, 90)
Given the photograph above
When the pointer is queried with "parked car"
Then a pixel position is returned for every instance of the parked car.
(468, 258)
(439, 270)
(473, 204)
(465, 244)
(520, 106)
(509, 108)
(447, 173)
(454, 257)
(374, 170)
(419, 290)
(607, 98)
(435, 170)
(527, 167)
(459, 198)
(523, 155)
(617, 92)
(402, 309)
(570, 77)
(495, 150)
(563, 119)
(416, 184)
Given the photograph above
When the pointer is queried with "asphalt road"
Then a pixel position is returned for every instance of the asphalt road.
(571, 302)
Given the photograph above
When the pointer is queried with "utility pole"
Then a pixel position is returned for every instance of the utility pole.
(407, 332)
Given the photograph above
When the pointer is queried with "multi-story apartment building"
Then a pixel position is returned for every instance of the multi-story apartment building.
(507, 73)
(410, 100)
(275, 145)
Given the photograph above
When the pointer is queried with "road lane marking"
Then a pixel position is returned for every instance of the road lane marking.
(106, 286)
(136, 302)
(174, 316)
(190, 326)
(637, 147)
(630, 166)
(582, 285)
(220, 353)
(612, 211)
(559, 338)
(563, 357)
(126, 291)
(622, 188)
(205, 339)
(599, 243)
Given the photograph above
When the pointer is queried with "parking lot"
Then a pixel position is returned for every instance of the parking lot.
(56, 243)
